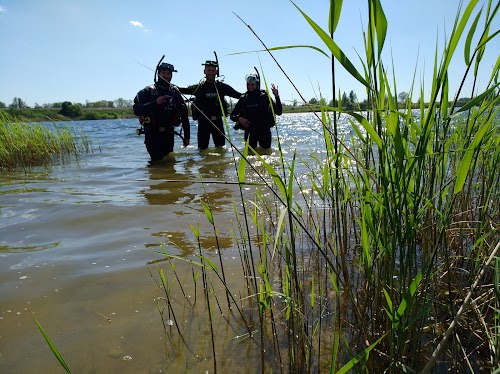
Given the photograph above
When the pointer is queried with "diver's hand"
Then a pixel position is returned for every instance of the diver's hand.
(162, 99)
(275, 90)
(244, 122)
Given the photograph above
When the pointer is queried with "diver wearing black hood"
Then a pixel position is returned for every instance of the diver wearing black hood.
(161, 108)
(254, 114)
(206, 106)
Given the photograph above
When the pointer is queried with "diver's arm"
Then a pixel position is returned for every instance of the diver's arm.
(143, 103)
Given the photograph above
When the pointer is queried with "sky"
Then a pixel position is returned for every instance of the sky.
(91, 50)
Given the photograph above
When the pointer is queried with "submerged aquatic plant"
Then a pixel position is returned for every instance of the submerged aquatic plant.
(391, 263)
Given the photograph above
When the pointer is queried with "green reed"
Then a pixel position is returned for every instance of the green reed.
(51, 345)
(390, 262)
(31, 144)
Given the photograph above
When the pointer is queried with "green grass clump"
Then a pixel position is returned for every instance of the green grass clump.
(105, 114)
(31, 115)
(30, 144)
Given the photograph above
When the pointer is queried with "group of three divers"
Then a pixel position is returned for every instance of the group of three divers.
(161, 109)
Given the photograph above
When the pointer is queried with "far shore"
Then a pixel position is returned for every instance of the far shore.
(87, 114)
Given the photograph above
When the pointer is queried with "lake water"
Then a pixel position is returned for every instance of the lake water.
(78, 242)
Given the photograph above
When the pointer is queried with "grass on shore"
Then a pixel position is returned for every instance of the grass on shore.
(44, 115)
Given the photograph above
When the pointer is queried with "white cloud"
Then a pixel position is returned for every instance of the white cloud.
(2, 9)
(136, 24)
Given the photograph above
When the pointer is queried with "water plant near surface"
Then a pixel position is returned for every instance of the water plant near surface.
(52, 346)
(385, 257)
(32, 144)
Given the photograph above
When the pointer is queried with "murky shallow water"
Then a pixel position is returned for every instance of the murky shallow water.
(77, 246)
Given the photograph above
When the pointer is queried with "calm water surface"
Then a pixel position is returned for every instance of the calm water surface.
(78, 242)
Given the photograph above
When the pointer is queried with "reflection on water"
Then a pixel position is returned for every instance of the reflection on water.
(181, 183)
(76, 240)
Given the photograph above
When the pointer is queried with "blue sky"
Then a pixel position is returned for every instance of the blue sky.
(78, 50)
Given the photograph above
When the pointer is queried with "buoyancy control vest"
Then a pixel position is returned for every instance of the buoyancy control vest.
(168, 114)
(255, 106)
(206, 99)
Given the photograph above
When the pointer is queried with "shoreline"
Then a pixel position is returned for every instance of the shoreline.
(90, 114)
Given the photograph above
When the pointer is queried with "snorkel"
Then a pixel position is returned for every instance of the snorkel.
(257, 72)
(215, 64)
(217, 61)
(258, 77)
(156, 70)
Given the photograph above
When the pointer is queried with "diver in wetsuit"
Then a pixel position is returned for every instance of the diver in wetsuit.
(161, 108)
(207, 108)
(254, 114)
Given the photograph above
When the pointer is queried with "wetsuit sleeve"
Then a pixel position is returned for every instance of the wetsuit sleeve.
(236, 111)
(188, 90)
(144, 103)
(230, 91)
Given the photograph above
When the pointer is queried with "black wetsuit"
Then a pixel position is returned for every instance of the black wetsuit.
(160, 120)
(210, 120)
(255, 106)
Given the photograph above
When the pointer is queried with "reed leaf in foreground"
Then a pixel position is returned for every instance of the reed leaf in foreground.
(334, 48)
(52, 346)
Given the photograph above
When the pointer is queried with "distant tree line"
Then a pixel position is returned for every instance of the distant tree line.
(350, 102)
(122, 108)
(102, 109)
(121, 103)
